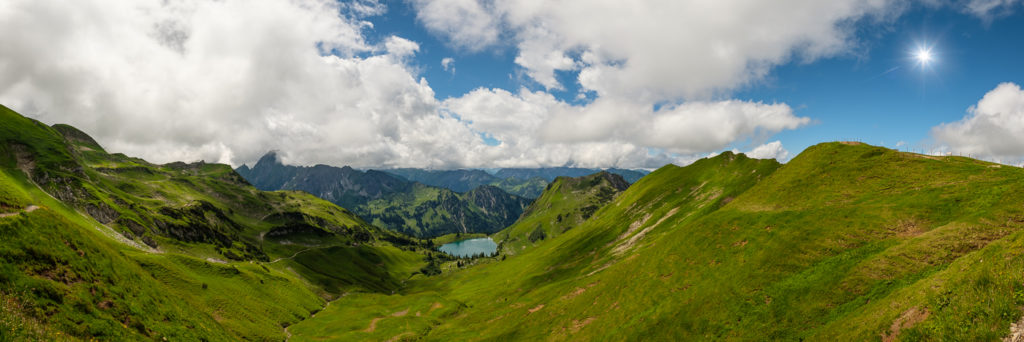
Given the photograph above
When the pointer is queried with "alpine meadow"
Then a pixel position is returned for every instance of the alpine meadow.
(511, 170)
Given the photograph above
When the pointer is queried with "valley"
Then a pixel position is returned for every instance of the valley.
(845, 241)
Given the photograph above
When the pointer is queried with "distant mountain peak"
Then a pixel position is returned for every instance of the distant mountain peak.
(270, 158)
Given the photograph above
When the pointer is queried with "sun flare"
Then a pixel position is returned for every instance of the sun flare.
(924, 56)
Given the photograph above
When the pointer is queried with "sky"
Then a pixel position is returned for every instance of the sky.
(446, 84)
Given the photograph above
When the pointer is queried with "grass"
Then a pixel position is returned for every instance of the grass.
(372, 268)
(844, 242)
(374, 316)
(79, 268)
(566, 203)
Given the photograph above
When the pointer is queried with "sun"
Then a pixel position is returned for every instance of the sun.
(924, 56)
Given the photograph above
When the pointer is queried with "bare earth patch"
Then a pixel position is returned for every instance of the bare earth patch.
(400, 313)
(573, 294)
(626, 245)
(578, 324)
(437, 305)
(536, 308)
(373, 325)
(907, 320)
(907, 228)
(1016, 332)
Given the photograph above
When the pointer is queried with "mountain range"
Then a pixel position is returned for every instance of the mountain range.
(392, 202)
(846, 241)
(524, 182)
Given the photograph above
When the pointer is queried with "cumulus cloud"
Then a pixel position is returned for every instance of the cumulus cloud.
(568, 131)
(474, 30)
(772, 150)
(400, 47)
(993, 128)
(229, 80)
(656, 49)
(223, 80)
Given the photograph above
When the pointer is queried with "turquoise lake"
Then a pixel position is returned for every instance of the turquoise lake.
(470, 247)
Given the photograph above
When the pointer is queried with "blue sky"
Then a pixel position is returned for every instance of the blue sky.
(876, 93)
(854, 97)
(530, 83)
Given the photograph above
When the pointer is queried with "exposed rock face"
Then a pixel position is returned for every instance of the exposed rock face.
(497, 203)
(344, 186)
(268, 174)
(198, 222)
(102, 212)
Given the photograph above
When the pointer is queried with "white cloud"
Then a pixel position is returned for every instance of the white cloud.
(987, 9)
(400, 47)
(994, 128)
(447, 64)
(772, 150)
(474, 29)
(364, 8)
(223, 80)
(656, 50)
(570, 133)
(229, 80)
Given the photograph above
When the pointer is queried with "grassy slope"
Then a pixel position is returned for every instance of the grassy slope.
(565, 203)
(64, 275)
(496, 298)
(848, 242)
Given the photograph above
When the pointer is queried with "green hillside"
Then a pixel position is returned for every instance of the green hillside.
(846, 241)
(103, 246)
(565, 203)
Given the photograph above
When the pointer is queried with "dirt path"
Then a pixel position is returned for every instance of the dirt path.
(373, 325)
(28, 209)
(288, 335)
(300, 252)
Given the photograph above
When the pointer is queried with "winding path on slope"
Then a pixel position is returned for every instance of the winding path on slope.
(302, 251)
(27, 209)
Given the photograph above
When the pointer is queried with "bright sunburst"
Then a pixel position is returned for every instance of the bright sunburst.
(924, 56)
